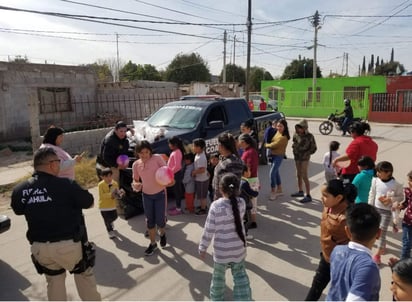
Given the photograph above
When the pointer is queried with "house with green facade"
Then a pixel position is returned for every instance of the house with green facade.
(296, 98)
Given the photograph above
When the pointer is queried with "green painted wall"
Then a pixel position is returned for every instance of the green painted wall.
(296, 98)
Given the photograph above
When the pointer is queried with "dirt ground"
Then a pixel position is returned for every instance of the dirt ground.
(8, 161)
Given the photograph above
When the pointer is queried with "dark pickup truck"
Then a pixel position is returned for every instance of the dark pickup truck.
(192, 117)
(200, 117)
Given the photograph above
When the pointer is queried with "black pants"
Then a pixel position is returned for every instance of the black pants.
(109, 217)
(178, 188)
(320, 280)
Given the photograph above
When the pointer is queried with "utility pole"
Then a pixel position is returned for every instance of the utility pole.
(347, 60)
(316, 24)
(249, 37)
(234, 58)
(224, 57)
(117, 56)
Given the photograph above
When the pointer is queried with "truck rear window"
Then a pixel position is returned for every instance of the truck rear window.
(180, 117)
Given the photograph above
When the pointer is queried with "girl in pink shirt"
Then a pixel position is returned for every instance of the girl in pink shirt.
(154, 197)
(175, 164)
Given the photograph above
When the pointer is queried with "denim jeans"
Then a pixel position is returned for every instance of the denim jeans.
(406, 240)
(274, 171)
(345, 124)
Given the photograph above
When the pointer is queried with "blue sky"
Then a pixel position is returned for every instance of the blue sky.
(281, 32)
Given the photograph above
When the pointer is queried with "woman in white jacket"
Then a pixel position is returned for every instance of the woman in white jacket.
(54, 138)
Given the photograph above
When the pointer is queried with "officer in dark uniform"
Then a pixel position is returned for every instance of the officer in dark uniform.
(114, 144)
(53, 207)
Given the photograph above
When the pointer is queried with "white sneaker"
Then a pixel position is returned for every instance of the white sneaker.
(249, 237)
(112, 235)
(272, 196)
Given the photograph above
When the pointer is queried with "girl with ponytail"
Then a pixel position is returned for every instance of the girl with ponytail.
(224, 224)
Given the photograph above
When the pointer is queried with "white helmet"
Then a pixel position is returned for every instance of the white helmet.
(346, 101)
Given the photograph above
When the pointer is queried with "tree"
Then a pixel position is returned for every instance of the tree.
(377, 62)
(300, 69)
(363, 70)
(132, 71)
(20, 59)
(235, 73)
(128, 72)
(389, 68)
(187, 68)
(392, 56)
(101, 66)
(102, 71)
(257, 75)
(371, 65)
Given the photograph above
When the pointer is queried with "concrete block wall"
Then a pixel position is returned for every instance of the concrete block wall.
(19, 82)
(87, 140)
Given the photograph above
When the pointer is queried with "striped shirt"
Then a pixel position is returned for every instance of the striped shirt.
(220, 226)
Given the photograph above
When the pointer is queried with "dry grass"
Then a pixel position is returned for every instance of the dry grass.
(85, 173)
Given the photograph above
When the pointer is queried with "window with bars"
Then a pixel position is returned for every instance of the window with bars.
(310, 94)
(54, 99)
(355, 93)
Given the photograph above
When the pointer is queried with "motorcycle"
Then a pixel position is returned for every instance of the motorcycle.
(326, 127)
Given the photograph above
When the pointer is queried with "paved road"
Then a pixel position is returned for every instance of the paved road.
(281, 259)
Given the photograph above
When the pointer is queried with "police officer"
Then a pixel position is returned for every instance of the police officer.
(53, 207)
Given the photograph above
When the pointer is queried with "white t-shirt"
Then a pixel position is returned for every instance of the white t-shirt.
(201, 161)
(326, 157)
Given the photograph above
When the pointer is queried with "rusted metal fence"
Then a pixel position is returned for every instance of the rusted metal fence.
(391, 107)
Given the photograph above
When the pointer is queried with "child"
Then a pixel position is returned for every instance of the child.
(154, 197)
(330, 171)
(247, 193)
(303, 146)
(363, 179)
(402, 280)
(385, 190)
(213, 161)
(224, 225)
(175, 164)
(407, 219)
(250, 157)
(189, 182)
(354, 275)
(108, 192)
(335, 198)
(200, 174)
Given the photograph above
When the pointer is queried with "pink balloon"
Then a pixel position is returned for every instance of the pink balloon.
(164, 175)
(123, 160)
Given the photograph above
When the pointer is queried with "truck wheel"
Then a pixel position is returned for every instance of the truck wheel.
(326, 127)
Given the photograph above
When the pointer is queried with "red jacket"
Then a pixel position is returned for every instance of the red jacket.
(361, 146)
